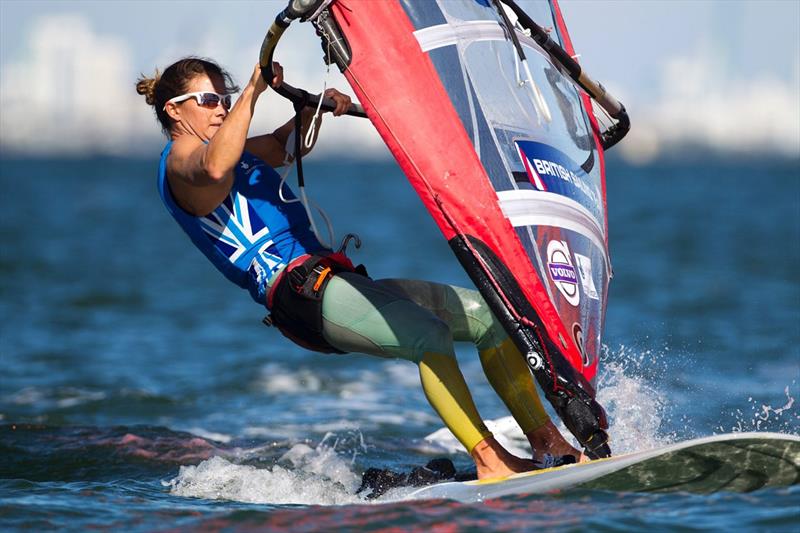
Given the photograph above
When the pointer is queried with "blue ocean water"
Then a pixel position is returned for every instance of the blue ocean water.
(140, 390)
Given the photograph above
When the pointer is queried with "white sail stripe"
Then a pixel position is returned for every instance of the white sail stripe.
(468, 32)
(559, 222)
(541, 208)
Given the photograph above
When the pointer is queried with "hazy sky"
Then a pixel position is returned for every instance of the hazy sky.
(725, 73)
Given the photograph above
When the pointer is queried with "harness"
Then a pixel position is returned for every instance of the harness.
(295, 301)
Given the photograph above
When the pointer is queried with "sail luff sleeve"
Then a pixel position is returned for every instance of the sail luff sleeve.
(403, 96)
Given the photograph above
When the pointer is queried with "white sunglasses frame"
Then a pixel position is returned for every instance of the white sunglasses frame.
(196, 96)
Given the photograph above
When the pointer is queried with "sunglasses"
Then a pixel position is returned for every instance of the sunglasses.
(205, 99)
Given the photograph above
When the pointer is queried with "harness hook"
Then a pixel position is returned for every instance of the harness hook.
(346, 241)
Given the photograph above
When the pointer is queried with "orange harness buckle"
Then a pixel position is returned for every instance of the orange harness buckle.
(321, 279)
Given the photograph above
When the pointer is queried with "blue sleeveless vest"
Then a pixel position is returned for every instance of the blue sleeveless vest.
(253, 233)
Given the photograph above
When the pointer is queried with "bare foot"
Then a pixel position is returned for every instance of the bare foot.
(492, 460)
(547, 439)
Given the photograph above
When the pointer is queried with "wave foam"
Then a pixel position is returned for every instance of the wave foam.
(304, 475)
(505, 429)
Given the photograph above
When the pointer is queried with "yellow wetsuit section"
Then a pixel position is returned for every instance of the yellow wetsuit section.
(419, 321)
(508, 374)
(447, 392)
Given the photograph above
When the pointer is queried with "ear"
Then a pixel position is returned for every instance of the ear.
(174, 112)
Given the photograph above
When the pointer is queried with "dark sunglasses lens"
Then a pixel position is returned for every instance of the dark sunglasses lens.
(212, 100)
(209, 100)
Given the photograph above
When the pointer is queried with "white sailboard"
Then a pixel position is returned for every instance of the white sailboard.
(737, 462)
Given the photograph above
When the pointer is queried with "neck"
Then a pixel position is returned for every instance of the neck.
(182, 130)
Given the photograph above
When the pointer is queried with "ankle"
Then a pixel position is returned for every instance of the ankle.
(487, 452)
(492, 460)
(547, 439)
(543, 435)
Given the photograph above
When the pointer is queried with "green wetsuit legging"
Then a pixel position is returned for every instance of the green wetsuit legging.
(419, 321)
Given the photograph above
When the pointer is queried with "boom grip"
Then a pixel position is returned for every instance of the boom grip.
(265, 60)
(268, 49)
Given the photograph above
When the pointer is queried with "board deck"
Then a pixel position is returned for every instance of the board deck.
(738, 462)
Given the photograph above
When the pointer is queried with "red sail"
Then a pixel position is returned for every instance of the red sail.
(404, 98)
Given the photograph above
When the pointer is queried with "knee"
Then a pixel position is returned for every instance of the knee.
(471, 304)
(489, 332)
(435, 337)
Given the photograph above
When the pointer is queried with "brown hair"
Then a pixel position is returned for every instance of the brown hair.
(175, 81)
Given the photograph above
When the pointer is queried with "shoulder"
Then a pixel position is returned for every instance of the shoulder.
(181, 151)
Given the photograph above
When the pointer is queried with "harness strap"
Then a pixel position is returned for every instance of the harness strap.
(293, 264)
(295, 300)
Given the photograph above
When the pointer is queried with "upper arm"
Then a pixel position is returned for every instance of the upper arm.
(194, 190)
(267, 148)
(187, 162)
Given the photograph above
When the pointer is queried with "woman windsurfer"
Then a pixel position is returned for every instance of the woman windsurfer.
(220, 187)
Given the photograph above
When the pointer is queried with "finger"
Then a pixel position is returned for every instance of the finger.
(277, 71)
(342, 102)
(330, 94)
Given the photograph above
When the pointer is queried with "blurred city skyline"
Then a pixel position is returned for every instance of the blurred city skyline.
(719, 75)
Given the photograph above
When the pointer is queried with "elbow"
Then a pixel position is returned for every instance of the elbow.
(216, 174)
(213, 170)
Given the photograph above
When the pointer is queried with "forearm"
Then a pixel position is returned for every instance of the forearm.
(225, 148)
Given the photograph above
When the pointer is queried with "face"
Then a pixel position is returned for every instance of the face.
(191, 117)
